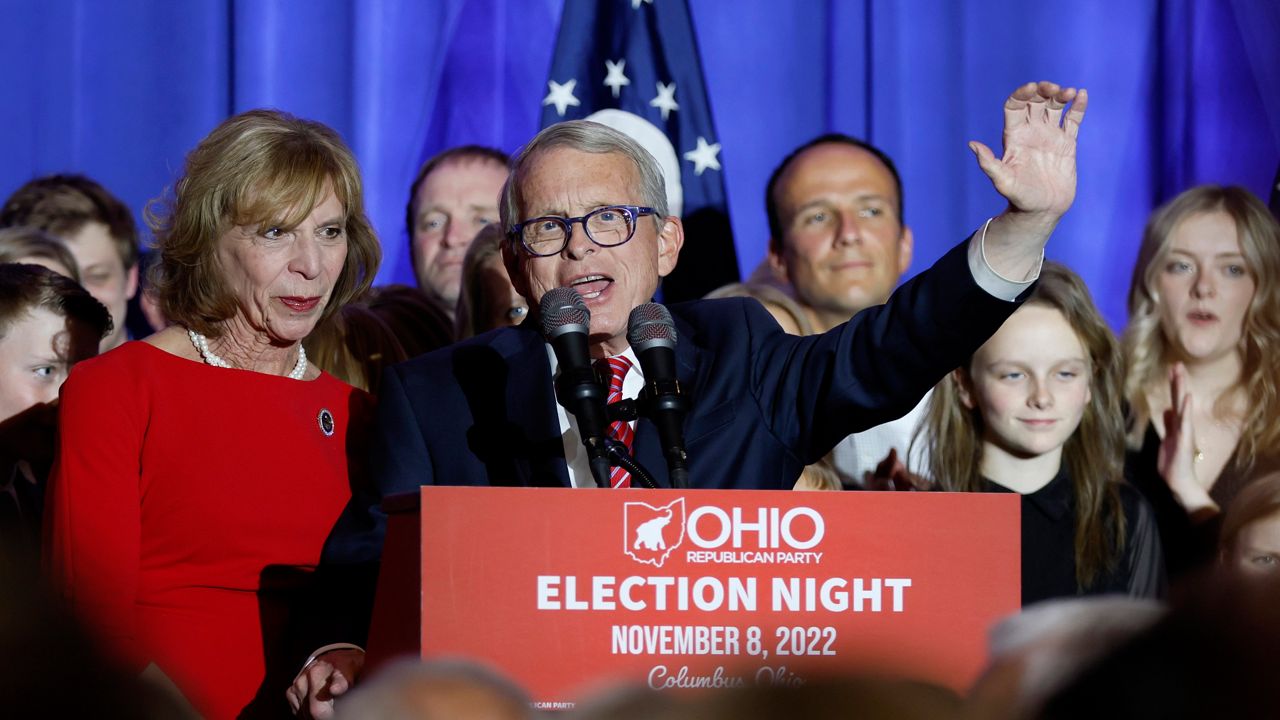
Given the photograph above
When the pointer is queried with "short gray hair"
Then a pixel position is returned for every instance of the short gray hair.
(589, 137)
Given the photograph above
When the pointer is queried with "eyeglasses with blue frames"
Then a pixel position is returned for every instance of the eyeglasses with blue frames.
(607, 227)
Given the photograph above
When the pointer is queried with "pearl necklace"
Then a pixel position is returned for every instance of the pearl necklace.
(202, 346)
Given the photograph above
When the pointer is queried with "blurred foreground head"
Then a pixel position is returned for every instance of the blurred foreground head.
(1213, 656)
(865, 698)
(1038, 651)
(53, 670)
(437, 690)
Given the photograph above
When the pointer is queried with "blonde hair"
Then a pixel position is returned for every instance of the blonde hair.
(1149, 353)
(1093, 455)
(772, 298)
(821, 475)
(262, 167)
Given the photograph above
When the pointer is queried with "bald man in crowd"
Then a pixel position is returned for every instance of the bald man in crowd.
(837, 235)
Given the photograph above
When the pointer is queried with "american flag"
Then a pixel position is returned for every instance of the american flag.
(633, 65)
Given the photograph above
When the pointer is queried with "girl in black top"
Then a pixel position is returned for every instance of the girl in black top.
(1036, 411)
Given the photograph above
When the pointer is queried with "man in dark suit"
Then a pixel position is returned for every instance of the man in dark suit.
(763, 403)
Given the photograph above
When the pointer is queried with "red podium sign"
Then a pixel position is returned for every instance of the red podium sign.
(566, 589)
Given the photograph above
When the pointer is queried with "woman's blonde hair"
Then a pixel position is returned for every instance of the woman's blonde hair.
(1149, 353)
(264, 168)
(774, 300)
(1094, 454)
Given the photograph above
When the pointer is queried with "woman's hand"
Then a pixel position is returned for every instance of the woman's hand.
(1177, 459)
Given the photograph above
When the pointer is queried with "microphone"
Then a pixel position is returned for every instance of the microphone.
(652, 334)
(565, 323)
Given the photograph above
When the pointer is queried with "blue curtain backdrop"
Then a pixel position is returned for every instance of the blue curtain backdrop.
(1182, 92)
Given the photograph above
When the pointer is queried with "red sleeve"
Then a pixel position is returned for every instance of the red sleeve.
(92, 532)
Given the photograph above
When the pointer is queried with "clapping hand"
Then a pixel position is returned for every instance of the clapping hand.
(1177, 459)
(892, 474)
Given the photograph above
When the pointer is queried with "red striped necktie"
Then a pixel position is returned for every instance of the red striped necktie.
(618, 367)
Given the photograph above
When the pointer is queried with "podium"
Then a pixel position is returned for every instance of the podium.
(565, 590)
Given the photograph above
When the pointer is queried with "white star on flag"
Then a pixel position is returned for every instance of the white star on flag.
(561, 96)
(616, 78)
(666, 100)
(704, 156)
(635, 4)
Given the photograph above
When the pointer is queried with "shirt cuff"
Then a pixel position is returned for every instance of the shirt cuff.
(322, 650)
(987, 278)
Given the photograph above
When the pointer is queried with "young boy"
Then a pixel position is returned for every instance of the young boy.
(98, 229)
(47, 324)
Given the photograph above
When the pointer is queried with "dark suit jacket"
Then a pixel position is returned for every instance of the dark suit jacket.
(763, 403)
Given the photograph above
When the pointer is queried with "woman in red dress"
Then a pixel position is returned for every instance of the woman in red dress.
(201, 470)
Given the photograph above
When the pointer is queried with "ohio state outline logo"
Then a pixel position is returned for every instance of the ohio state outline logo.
(650, 533)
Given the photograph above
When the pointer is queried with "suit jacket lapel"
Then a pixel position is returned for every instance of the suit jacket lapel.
(534, 407)
(517, 411)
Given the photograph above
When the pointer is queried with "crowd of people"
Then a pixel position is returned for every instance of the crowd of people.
(201, 491)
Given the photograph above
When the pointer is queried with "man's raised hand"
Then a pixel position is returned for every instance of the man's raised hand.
(1037, 173)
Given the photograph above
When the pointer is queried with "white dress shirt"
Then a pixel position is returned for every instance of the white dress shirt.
(574, 452)
(860, 453)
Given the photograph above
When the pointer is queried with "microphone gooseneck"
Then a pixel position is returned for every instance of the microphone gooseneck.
(619, 456)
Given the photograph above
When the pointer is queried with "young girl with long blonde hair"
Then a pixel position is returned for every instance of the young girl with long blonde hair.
(1036, 411)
